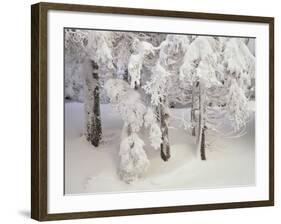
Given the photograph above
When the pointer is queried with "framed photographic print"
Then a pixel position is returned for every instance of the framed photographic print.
(140, 111)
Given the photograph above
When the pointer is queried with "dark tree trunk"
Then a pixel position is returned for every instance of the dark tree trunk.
(165, 145)
(193, 133)
(129, 132)
(192, 115)
(201, 126)
(199, 115)
(94, 128)
(203, 144)
(136, 86)
(157, 113)
(126, 76)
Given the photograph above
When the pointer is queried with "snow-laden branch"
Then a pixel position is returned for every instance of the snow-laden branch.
(156, 87)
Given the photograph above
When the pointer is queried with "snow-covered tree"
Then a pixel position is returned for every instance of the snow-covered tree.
(157, 89)
(100, 66)
(219, 71)
(239, 70)
(170, 54)
(128, 103)
(88, 52)
(199, 70)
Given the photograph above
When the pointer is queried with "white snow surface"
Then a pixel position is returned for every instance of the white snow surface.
(230, 162)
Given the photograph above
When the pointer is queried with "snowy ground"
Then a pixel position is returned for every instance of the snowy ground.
(230, 162)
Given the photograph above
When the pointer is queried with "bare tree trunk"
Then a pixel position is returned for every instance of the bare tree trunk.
(165, 145)
(94, 128)
(136, 86)
(202, 127)
(203, 143)
(192, 115)
(157, 113)
(126, 76)
(97, 130)
(200, 114)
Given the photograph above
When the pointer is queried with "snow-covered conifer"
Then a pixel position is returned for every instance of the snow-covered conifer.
(157, 89)
(128, 103)
(199, 69)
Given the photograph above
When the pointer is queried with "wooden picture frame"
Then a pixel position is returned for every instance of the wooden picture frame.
(39, 110)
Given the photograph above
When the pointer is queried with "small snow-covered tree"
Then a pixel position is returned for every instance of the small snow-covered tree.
(128, 103)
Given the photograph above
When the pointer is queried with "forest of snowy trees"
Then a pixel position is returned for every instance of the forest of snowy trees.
(147, 76)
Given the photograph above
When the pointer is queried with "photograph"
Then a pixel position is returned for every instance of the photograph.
(150, 111)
